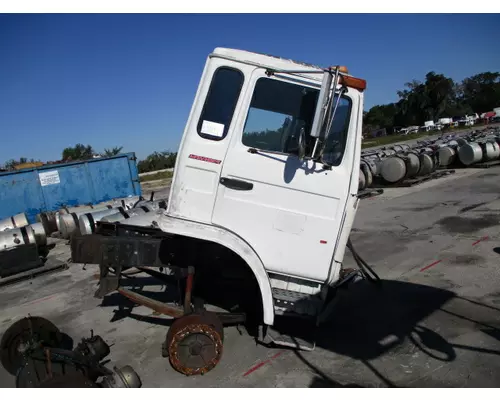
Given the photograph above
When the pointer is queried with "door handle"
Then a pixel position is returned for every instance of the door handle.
(236, 184)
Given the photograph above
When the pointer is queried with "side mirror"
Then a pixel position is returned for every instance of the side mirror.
(302, 144)
(321, 107)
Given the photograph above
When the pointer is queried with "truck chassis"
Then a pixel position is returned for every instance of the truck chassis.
(194, 342)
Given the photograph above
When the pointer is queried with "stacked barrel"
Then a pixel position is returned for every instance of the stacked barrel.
(16, 230)
(83, 219)
(400, 162)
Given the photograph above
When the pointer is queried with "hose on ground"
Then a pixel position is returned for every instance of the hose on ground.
(367, 271)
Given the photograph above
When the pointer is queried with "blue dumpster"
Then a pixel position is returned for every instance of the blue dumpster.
(50, 187)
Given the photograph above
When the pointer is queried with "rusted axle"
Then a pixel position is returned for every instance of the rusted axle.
(155, 305)
(160, 307)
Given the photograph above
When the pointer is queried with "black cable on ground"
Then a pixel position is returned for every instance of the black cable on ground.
(365, 269)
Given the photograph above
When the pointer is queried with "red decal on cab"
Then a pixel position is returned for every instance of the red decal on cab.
(206, 159)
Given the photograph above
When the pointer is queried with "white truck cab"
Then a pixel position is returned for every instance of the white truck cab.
(264, 170)
(263, 198)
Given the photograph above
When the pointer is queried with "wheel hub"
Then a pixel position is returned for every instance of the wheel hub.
(194, 344)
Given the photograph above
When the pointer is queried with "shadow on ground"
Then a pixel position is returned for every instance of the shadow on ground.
(370, 322)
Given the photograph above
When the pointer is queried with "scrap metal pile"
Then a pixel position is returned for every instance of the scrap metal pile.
(396, 164)
(83, 219)
(38, 354)
(24, 247)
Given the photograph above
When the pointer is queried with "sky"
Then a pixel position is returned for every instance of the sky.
(129, 80)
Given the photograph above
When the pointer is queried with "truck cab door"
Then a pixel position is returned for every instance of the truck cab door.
(291, 212)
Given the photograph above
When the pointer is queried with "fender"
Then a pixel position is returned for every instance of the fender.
(233, 242)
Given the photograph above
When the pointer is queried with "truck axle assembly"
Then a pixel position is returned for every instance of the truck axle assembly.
(194, 342)
(33, 350)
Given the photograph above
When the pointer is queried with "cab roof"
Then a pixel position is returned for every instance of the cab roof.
(279, 63)
(264, 60)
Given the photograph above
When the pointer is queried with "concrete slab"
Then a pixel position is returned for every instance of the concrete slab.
(434, 322)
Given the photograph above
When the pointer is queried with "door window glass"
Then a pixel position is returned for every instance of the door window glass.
(279, 110)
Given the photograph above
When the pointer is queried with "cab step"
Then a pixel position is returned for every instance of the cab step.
(288, 302)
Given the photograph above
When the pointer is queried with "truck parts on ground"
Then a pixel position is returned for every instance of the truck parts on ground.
(35, 351)
(24, 250)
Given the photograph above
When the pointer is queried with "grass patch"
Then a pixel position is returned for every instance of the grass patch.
(157, 176)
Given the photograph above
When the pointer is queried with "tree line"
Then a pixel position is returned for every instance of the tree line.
(80, 152)
(436, 97)
(157, 161)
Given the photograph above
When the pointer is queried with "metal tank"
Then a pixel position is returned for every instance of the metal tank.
(446, 156)
(49, 221)
(490, 151)
(362, 180)
(40, 234)
(68, 223)
(17, 237)
(427, 163)
(87, 221)
(16, 221)
(373, 163)
(412, 165)
(77, 210)
(365, 169)
(393, 169)
(470, 153)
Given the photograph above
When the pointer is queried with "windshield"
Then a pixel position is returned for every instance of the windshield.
(279, 110)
